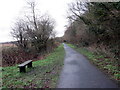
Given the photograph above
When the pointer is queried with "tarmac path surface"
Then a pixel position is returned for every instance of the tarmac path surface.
(78, 72)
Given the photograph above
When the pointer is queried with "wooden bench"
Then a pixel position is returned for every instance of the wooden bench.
(22, 67)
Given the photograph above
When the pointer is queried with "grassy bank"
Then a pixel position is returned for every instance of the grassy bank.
(102, 61)
(44, 74)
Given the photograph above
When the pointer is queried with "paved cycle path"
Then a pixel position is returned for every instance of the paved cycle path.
(79, 73)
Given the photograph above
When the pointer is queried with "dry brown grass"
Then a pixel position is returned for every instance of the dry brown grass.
(100, 49)
(8, 45)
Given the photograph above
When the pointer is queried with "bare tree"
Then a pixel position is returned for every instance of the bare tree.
(19, 33)
(40, 28)
(76, 10)
(36, 30)
(32, 7)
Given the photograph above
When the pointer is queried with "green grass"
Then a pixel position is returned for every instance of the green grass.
(44, 74)
(103, 62)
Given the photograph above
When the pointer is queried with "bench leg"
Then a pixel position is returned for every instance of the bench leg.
(22, 69)
(30, 65)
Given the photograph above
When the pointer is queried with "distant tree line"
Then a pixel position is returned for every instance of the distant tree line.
(95, 23)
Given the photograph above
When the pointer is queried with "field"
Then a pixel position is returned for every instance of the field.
(8, 45)
(44, 74)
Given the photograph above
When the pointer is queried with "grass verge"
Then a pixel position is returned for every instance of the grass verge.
(44, 74)
(102, 61)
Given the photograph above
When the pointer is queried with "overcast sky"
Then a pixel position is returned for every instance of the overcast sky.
(10, 10)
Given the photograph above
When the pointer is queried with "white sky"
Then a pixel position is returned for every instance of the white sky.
(12, 9)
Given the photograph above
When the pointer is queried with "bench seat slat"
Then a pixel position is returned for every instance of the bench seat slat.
(25, 63)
